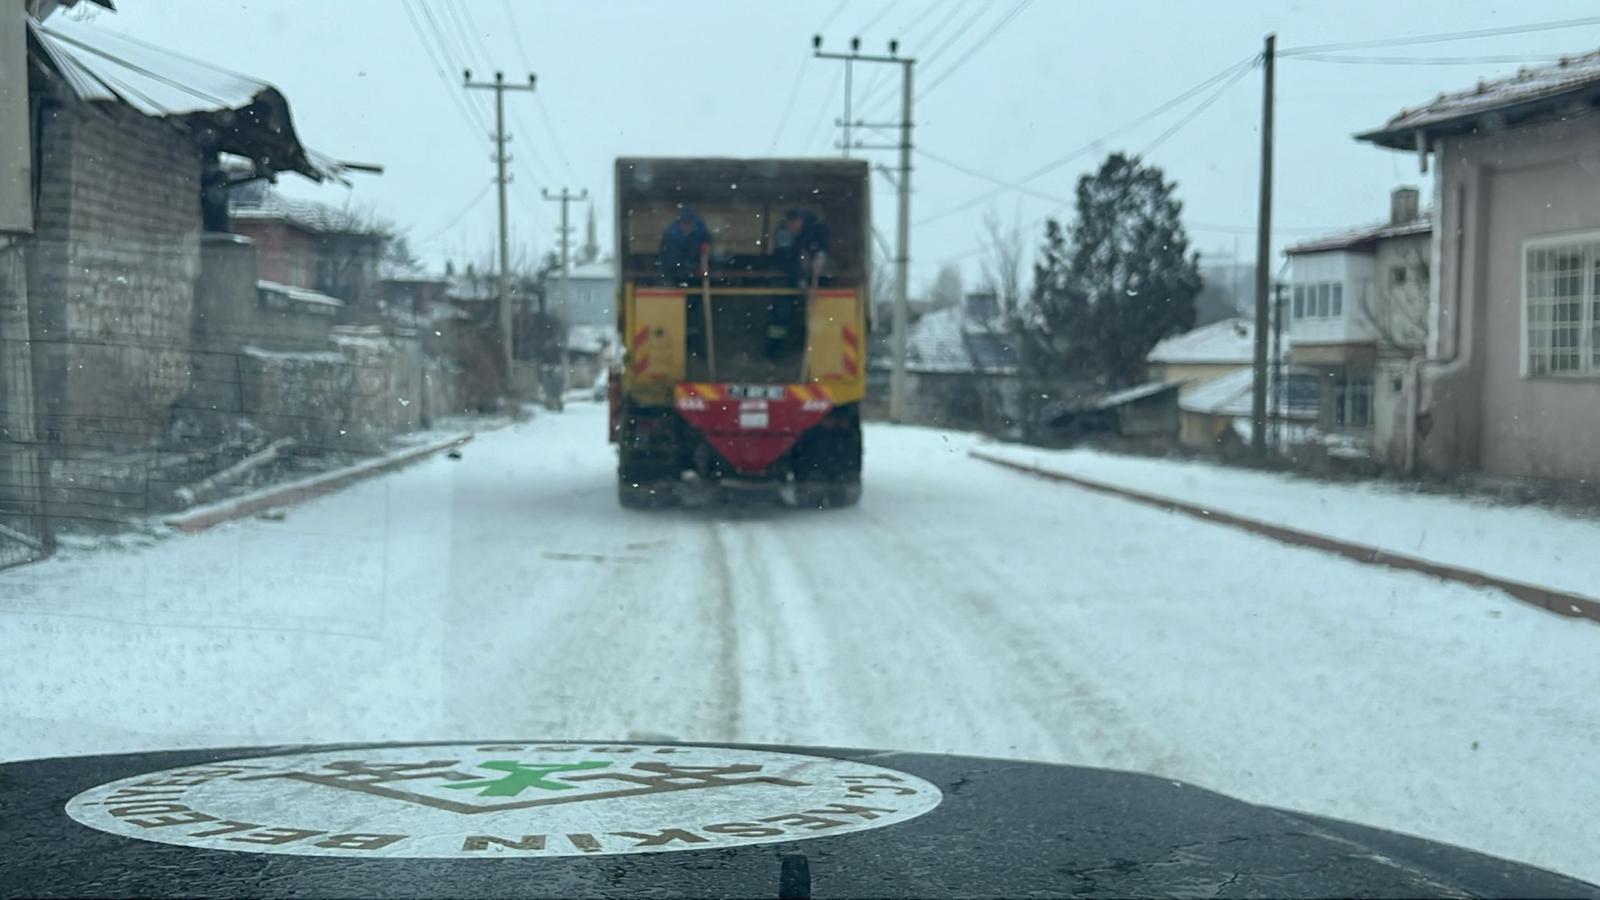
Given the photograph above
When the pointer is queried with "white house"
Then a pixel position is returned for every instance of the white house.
(1357, 314)
(592, 294)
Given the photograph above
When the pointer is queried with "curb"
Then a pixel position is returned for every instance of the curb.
(1558, 602)
(299, 491)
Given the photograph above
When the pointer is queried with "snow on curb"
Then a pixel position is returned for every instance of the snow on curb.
(306, 488)
(1556, 601)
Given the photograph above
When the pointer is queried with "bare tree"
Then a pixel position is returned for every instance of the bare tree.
(1002, 260)
(354, 239)
(1397, 305)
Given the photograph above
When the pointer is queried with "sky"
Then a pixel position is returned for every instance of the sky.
(1003, 88)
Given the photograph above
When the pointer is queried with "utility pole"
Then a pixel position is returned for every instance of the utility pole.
(849, 64)
(1258, 399)
(902, 261)
(499, 86)
(565, 198)
(1278, 386)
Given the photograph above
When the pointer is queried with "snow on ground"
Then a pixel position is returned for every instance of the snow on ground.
(960, 608)
(1523, 543)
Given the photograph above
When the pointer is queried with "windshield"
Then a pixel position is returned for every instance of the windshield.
(1207, 392)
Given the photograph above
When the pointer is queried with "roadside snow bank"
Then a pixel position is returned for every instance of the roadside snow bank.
(1529, 544)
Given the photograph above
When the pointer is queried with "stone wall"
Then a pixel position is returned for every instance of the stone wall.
(112, 273)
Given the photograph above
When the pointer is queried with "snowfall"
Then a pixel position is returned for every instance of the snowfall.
(961, 607)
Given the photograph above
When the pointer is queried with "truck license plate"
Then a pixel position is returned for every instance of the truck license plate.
(756, 391)
(753, 419)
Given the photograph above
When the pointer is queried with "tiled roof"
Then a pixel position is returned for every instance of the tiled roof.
(1531, 89)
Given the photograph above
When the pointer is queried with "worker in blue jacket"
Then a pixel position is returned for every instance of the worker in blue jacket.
(684, 246)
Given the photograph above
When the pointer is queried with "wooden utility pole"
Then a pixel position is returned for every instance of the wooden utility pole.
(1258, 398)
(902, 259)
(501, 158)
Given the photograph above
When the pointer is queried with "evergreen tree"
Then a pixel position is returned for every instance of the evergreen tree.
(1130, 278)
(1053, 315)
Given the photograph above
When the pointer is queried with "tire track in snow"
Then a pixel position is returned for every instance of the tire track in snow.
(727, 624)
(1086, 721)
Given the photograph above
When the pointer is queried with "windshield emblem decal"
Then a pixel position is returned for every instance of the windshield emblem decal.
(467, 801)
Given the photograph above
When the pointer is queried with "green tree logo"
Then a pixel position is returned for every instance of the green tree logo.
(519, 777)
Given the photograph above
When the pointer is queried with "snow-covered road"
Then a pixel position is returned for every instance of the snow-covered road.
(960, 608)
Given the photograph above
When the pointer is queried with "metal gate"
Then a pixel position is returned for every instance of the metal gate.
(25, 534)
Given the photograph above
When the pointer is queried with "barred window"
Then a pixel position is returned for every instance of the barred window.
(1561, 310)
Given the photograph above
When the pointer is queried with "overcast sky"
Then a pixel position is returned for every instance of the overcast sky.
(1002, 96)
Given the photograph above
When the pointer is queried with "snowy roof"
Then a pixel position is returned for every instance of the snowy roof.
(299, 295)
(1231, 394)
(945, 341)
(1227, 341)
(1363, 237)
(1571, 84)
(591, 338)
(597, 271)
(249, 116)
(934, 344)
(255, 201)
(993, 349)
(1137, 392)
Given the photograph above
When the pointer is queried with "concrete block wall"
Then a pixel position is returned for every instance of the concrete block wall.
(115, 259)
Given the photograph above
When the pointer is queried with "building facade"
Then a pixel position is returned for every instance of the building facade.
(1356, 316)
(1511, 383)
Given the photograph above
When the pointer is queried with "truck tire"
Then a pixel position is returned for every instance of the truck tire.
(827, 462)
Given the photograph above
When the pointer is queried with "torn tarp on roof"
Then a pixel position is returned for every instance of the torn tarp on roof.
(230, 112)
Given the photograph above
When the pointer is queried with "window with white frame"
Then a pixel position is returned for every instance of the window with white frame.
(1323, 300)
(1561, 308)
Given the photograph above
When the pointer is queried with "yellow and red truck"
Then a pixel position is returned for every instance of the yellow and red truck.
(742, 307)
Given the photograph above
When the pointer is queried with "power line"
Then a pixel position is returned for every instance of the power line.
(1060, 161)
(954, 67)
(1441, 37)
(831, 16)
(465, 109)
(874, 97)
(788, 106)
(555, 137)
(447, 47)
(1427, 60)
(471, 205)
(516, 35)
(956, 38)
(523, 128)
(1199, 108)
(827, 102)
(926, 15)
(522, 53)
(884, 11)
(984, 176)
(473, 29)
(452, 14)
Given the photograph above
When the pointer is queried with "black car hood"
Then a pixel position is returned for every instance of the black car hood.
(905, 825)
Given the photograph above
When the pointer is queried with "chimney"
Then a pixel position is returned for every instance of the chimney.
(1403, 205)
